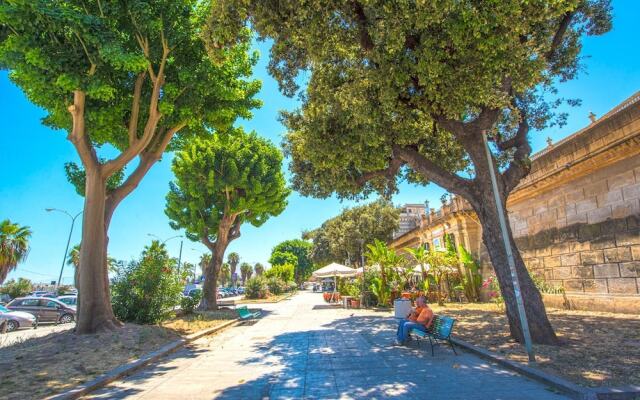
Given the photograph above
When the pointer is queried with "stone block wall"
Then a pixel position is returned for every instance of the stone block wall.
(584, 235)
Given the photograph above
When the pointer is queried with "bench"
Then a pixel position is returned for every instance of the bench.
(440, 332)
(244, 313)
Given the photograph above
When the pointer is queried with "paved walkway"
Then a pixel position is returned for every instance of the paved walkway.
(303, 348)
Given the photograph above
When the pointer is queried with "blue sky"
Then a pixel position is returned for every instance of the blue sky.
(33, 179)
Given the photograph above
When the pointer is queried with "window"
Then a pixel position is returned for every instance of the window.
(50, 304)
(437, 243)
(30, 302)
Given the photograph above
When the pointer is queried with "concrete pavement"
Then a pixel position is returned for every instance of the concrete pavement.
(303, 348)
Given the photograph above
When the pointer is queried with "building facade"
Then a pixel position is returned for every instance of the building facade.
(575, 217)
(411, 216)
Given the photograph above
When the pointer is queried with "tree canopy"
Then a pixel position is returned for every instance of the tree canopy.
(14, 246)
(348, 234)
(296, 252)
(221, 182)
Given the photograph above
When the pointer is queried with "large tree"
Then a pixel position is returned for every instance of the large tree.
(407, 89)
(14, 246)
(301, 250)
(245, 272)
(130, 77)
(346, 236)
(220, 183)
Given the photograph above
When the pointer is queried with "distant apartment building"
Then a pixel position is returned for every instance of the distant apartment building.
(575, 217)
(411, 216)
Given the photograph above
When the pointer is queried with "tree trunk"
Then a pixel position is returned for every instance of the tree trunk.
(210, 286)
(94, 300)
(539, 325)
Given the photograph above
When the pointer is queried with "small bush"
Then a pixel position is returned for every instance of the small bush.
(276, 285)
(189, 303)
(146, 291)
(256, 288)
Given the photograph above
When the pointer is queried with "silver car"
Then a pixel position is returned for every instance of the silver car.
(17, 319)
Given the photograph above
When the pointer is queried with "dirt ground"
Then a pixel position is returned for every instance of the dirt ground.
(270, 299)
(599, 349)
(41, 366)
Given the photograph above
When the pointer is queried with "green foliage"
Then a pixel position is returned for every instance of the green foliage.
(148, 289)
(224, 277)
(14, 246)
(471, 277)
(245, 272)
(189, 303)
(259, 269)
(230, 174)
(101, 48)
(17, 288)
(256, 288)
(63, 289)
(383, 77)
(299, 248)
(280, 258)
(276, 285)
(348, 234)
(348, 287)
(77, 176)
(283, 272)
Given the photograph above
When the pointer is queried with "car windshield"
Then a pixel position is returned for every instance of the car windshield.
(68, 300)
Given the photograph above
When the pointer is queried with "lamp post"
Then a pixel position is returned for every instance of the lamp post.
(165, 241)
(73, 221)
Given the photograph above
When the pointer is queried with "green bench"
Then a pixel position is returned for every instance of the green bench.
(440, 332)
(244, 313)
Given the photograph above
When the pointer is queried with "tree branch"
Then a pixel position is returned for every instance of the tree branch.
(559, 35)
(361, 19)
(520, 165)
(234, 232)
(389, 173)
(433, 172)
(78, 135)
(135, 108)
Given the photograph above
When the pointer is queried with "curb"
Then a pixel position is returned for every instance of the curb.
(575, 391)
(133, 366)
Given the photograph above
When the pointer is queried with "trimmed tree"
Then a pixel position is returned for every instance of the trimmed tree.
(220, 183)
(400, 91)
(128, 76)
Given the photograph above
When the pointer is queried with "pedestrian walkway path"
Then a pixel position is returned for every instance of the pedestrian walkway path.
(304, 349)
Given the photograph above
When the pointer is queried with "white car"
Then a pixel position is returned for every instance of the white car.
(71, 301)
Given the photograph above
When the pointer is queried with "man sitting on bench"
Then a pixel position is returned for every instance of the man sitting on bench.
(421, 318)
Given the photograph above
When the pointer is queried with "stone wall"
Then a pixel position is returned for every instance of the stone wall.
(576, 218)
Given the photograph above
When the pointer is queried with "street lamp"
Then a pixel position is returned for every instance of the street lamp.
(73, 221)
(165, 241)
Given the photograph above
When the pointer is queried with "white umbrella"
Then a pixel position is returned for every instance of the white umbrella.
(418, 268)
(334, 270)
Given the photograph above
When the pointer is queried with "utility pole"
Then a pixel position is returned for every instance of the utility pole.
(524, 324)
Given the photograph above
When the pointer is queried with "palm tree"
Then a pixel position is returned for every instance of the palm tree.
(14, 246)
(259, 269)
(73, 259)
(245, 272)
(205, 259)
(225, 274)
(379, 254)
(233, 259)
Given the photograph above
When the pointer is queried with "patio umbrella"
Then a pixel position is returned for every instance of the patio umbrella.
(334, 270)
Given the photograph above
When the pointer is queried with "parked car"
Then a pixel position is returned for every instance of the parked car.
(193, 292)
(70, 300)
(17, 319)
(44, 309)
(4, 299)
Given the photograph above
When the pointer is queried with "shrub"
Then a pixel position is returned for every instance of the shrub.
(19, 288)
(276, 285)
(189, 303)
(256, 288)
(291, 286)
(284, 272)
(146, 291)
